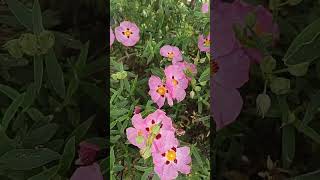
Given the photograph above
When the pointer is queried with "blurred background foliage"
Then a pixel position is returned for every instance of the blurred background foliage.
(52, 85)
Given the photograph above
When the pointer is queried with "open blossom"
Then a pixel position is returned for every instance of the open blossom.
(170, 159)
(127, 33)
(205, 8)
(137, 135)
(176, 81)
(143, 128)
(159, 91)
(228, 73)
(204, 43)
(188, 68)
(172, 53)
(111, 37)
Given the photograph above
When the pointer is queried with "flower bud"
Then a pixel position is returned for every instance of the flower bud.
(192, 93)
(263, 103)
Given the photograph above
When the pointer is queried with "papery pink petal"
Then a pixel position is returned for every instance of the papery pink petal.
(233, 69)
(183, 160)
(91, 172)
(132, 133)
(226, 104)
(205, 8)
(133, 39)
(154, 82)
(138, 122)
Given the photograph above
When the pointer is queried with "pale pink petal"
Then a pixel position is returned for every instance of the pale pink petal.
(111, 37)
(91, 172)
(205, 8)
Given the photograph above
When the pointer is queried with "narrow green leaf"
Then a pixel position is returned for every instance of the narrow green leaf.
(6, 144)
(29, 97)
(46, 174)
(80, 65)
(10, 92)
(22, 13)
(40, 135)
(288, 145)
(67, 156)
(11, 111)
(309, 176)
(307, 131)
(38, 72)
(36, 115)
(82, 130)
(55, 73)
(26, 159)
(37, 18)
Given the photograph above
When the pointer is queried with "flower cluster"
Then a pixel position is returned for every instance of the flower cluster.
(155, 134)
(231, 60)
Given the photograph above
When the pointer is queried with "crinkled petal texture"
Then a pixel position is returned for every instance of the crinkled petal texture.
(201, 43)
(91, 172)
(171, 52)
(176, 82)
(226, 104)
(154, 83)
(134, 33)
(205, 8)
(188, 67)
(159, 117)
(111, 37)
(233, 69)
(170, 170)
(166, 141)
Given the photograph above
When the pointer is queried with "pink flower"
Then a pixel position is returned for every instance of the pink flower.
(137, 135)
(127, 33)
(229, 73)
(111, 37)
(188, 68)
(204, 43)
(171, 52)
(171, 159)
(159, 92)
(205, 8)
(87, 153)
(176, 82)
(87, 172)
(160, 118)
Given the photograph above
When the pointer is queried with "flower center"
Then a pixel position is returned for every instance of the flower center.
(171, 155)
(161, 90)
(174, 82)
(127, 33)
(206, 42)
(214, 67)
(170, 55)
(140, 133)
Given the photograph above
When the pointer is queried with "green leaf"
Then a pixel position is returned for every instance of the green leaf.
(40, 135)
(36, 115)
(312, 108)
(37, 18)
(308, 131)
(55, 73)
(46, 174)
(288, 145)
(112, 158)
(67, 156)
(82, 130)
(205, 76)
(305, 46)
(13, 47)
(294, 2)
(196, 154)
(26, 159)
(315, 175)
(299, 69)
(146, 173)
(22, 13)
(38, 72)
(29, 97)
(80, 65)
(6, 144)
(9, 91)
(11, 111)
